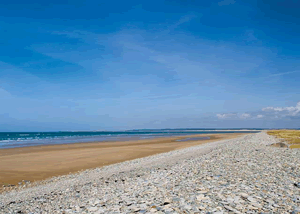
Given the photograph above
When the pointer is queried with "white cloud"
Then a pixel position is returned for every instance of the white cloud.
(226, 2)
(225, 116)
(233, 115)
(260, 116)
(268, 113)
(245, 116)
(272, 109)
(285, 111)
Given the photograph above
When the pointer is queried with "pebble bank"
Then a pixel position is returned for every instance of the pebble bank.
(242, 175)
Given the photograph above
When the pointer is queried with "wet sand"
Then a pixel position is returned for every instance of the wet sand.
(42, 162)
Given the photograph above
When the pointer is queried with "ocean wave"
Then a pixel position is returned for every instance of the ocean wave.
(20, 139)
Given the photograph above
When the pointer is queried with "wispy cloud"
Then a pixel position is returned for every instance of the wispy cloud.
(226, 2)
(234, 116)
(249, 36)
(225, 116)
(283, 73)
(245, 116)
(172, 27)
(4, 93)
(182, 20)
(260, 116)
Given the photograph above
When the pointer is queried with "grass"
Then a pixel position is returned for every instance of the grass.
(295, 146)
(290, 136)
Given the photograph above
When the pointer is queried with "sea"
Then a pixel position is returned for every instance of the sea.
(25, 139)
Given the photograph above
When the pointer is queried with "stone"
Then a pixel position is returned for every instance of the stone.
(93, 209)
(201, 197)
(201, 208)
(256, 205)
(251, 199)
(202, 192)
(153, 210)
(209, 178)
(244, 195)
(228, 208)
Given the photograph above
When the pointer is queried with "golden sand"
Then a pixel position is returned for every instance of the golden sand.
(41, 162)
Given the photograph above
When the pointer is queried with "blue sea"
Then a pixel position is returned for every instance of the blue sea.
(24, 139)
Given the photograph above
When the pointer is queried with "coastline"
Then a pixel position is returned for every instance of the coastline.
(241, 175)
(26, 139)
(42, 162)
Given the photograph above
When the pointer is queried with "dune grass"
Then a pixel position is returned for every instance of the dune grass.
(290, 136)
(295, 146)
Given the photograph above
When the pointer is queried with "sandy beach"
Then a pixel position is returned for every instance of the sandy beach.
(241, 175)
(42, 162)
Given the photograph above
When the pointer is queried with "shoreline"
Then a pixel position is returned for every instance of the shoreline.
(17, 140)
(38, 163)
(240, 175)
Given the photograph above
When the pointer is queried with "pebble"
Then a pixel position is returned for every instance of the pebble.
(242, 175)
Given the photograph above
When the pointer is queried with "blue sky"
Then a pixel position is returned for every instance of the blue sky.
(115, 65)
